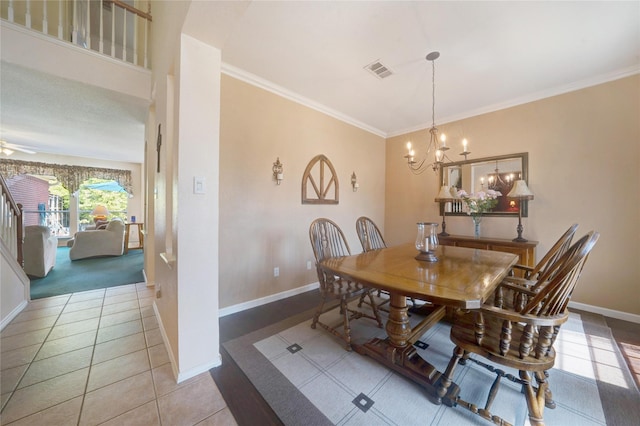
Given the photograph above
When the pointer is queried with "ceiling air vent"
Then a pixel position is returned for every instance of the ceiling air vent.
(378, 69)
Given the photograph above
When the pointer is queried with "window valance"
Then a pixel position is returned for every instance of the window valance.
(69, 176)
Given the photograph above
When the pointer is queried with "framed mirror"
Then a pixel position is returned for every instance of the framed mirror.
(497, 173)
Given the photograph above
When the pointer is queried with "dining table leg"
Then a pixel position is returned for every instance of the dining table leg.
(398, 353)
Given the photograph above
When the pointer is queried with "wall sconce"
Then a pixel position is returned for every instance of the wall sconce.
(354, 182)
(278, 175)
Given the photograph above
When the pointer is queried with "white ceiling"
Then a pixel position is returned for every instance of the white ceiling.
(493, 55)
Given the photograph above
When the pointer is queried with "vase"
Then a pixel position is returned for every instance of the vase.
(476, 225)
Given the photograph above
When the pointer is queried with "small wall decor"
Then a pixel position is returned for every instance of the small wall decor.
(354, 182)
(320, 182)
(278, 174)
(158, 145)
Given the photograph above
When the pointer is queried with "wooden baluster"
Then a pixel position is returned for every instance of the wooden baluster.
(60, 28)
(505, 337)
(135, 39)
(10, 12)
(88, 28)
(27, 15)
(113, 30)
(544, 341)
(101, 41)
(527, 341)
(124, 35)
(478, 327)
(146, 37)
(45, 23)
(74, 31)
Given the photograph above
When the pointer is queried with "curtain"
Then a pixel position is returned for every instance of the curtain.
(70, 176)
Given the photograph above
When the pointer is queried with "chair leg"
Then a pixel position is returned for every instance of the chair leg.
(362, 296)
(375, 309)
(542, 377)
(447, 378)
(347, 328)
(535, 400)
(316, 316)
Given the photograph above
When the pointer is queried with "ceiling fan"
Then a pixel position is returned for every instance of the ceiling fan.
(6, 148)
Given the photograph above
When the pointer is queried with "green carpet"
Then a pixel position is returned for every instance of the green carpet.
(88, 274)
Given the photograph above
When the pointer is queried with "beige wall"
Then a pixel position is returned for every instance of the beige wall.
(584, 167)
(263, 225)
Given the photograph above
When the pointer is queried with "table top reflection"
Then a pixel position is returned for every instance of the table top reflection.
(462, 277)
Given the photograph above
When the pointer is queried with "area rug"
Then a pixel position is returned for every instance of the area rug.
(88, 274)
(308, 378)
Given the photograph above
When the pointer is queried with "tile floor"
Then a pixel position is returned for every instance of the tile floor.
(97, 357)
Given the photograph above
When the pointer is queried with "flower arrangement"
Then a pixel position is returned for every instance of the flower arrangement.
(479, 202)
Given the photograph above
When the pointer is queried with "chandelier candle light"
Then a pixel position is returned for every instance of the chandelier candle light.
(521, 192)
(440, 147)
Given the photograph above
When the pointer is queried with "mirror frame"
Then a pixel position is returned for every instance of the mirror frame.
(524, 158)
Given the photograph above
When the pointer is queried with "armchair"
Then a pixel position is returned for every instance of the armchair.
(100, 242)
(521, 339)
(39, 250)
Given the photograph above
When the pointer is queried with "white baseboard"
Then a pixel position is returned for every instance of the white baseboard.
(264, 300)
(625, 316)
(14, 313)
(181, 377)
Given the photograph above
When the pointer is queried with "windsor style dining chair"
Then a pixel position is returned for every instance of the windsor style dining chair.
(328, 241)
(521, 339)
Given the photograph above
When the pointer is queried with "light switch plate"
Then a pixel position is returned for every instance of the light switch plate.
(199, 185)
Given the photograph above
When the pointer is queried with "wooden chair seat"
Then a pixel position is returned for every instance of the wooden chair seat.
(520, 338)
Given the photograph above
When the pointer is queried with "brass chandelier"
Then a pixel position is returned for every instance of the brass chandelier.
(439, 147)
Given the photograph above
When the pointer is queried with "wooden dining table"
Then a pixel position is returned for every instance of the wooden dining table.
(461, 278)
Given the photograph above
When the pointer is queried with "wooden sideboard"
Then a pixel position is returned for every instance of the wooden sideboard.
(526, 251)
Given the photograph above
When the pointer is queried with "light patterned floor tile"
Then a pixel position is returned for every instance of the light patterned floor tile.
(120, 317)
(22, 340)
(119, 330)
(158, 355)
(85, 304)
(111, 401)
(87, 295)
(120, 307)
(118, 347)
(145, 415)
(154, 337)
(66, 330)
(116, 369)
(65, 413)
(10, 377)
(164, 381)
(32, 325)
(48, 302)
(58, 365)
(221, 418)
(191, 403)
(45, 394)
(149, 323)
(27, 315)
(19, 356)
(81, 315)
(119, 298)
(65, 344)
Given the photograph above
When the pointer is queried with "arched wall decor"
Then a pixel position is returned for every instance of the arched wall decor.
(320, 182)
(70, 176)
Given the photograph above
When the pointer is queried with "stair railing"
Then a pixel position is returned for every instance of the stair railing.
(11, 223)
(110, 27)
